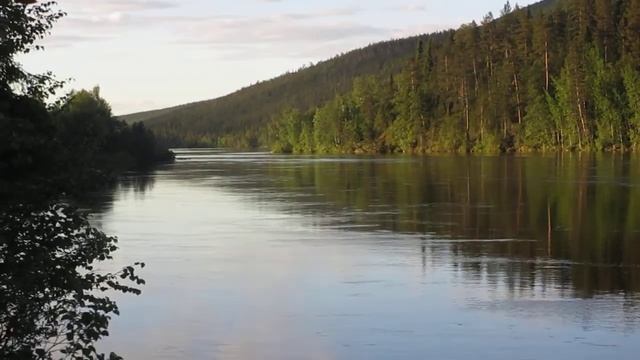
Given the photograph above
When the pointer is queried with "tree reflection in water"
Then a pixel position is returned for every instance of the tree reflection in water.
(577, 217)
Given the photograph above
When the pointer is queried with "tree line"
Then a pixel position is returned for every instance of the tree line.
(561, 77)
(74, 144)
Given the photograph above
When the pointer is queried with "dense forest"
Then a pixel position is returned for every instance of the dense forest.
(557, 75)
(75, 144)
(564, 79)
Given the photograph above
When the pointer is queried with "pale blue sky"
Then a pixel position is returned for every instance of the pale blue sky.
(147, 54)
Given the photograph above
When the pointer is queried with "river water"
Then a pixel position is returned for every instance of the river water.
(260, 256)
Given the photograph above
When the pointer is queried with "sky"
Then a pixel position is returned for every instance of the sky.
(149, 54)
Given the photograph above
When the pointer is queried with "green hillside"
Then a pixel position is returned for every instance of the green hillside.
(246, 110)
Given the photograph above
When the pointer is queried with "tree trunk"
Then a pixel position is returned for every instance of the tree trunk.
(549, 228)
(546, 66)
(481, 122)
(583, 121)
(466, 105)
(515, 81)
(475, 76)
(446, 64)
(504, 127)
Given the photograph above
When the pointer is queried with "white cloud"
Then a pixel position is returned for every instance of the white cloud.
(299, 33)
(410, 8)
(116, 5)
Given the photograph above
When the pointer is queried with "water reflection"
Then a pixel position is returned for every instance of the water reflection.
(577, 218)
(134, 184)
(384, 257)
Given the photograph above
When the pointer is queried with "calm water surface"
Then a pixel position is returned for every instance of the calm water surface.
(257, 256)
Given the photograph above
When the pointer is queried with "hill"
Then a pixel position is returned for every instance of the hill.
(237, 119)
(204, 123)
(560, 74)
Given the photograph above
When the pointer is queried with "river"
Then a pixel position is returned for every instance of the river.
(261, 256)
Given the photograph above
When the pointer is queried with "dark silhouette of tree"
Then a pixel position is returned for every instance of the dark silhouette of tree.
(54, 301)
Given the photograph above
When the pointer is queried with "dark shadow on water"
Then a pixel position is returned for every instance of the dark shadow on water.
(101, 201)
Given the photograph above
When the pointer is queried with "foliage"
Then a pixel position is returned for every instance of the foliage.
(76, 145)
(21, 26)
(631, 79)
(54, 301)
(93, 141)
(26, 129)
(287, 132)
(606, 87)
(539, 127)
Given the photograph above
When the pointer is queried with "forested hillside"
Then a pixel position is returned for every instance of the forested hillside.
(561, 74)
(563, 79)
(238, 119)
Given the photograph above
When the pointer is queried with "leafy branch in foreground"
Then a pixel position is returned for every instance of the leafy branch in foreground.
(21, 25)
(55, 302)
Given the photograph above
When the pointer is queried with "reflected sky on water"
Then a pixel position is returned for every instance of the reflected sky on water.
(260, 256)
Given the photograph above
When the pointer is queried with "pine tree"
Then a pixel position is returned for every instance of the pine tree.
(606, 101)
(604, 18)
(579, 27)
(631, 78)
(630, 30)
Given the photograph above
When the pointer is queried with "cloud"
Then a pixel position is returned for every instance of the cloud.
(116, 5)
(66, 40)
(293, 35)
(95, 21)
(409, 8)
(329, 13)
(308, 34)
(273, 30)
(269, 35)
